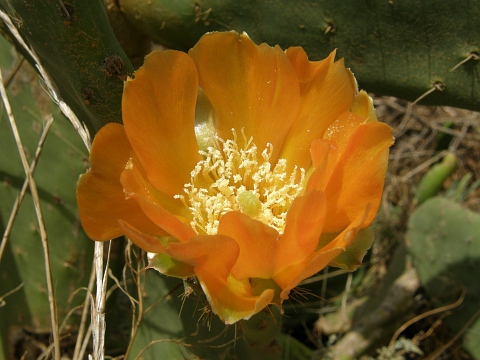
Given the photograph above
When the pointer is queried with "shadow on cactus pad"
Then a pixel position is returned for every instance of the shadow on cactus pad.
(444, 240)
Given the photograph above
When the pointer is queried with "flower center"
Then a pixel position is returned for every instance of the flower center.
(234, 178)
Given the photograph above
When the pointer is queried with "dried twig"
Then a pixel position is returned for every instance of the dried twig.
(98, 316)
(79, 126)
(139, 275)
(98, 308)
(41, 224)
(426, 314)
(439, 351)
(2, 301)
(423, 166)
(18, 201)
(81, 330)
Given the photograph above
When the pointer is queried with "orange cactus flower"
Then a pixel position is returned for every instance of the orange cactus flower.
(248, 167)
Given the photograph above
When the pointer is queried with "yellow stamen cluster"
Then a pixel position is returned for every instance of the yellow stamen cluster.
(234, 178)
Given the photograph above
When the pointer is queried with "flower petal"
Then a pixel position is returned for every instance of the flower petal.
(363, 105)
(143, 241)
(213, 257)
(327, 90)
(161, 261)
(303, 228)
(293, 275)
(100, 197)
(324, 157)
(214, 253)
(343, 128)
(232, 300)
(165, 212)
(158, 113)
(257, 243)
(250, 87)
(358, 177)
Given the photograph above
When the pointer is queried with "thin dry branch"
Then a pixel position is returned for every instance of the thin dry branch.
(98, 307)
(83, 321)
(66, 110)
(18, 201)
(41, 224)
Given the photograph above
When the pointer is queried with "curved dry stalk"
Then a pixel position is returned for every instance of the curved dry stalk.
(439, 351)
(83, 320)
(2, 301)
(426, 314)
(18, 201)
(98, 316)
(14, 71)
(41, 224)
(139, 276)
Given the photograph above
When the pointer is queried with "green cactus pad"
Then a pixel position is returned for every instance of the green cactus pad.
(78, 48)
(400, 48)
(444, 240)
(71, 252)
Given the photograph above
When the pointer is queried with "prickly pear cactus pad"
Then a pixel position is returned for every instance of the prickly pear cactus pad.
(444, 240)
(76, 45)
(25, 311)
(244, 182)
(401, 48)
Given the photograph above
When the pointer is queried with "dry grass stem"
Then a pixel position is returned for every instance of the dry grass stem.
(98, 305)
(83, 321)
(41, 224)
(426, 314)
(2, 301)
(18, 201)
(98, 317)
(66, 110)
(439, 351)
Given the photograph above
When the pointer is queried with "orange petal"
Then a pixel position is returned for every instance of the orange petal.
(327, 90)
(293, 275)
(161, 262)
(165, 212)
(363, 105)
(306, 69)
(343, 128)
(100, 197)
(250, 87)
(232, 300)
(358, 177)
(213, 257)
(303, 228)
(324, 157)
(347, 236)
(143, 241)
(158, 113)
(216, 254)
(257, 243)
